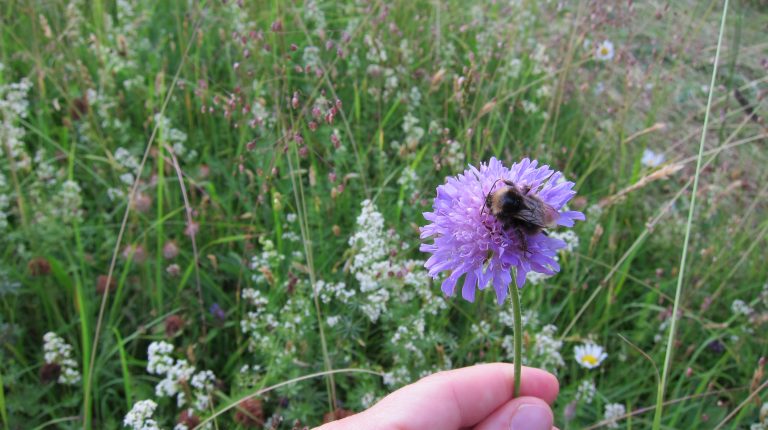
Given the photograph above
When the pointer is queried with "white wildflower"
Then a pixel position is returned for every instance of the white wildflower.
(58, 351)
(652, 159)
(740, 307)
(614, 412)
(590, 355)
(586, 391)
(140, 416)
(604, 51)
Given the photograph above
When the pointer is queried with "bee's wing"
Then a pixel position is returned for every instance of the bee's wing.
(537, 213)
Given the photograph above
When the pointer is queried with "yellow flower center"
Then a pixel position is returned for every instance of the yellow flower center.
(603, 51)
(589, 359)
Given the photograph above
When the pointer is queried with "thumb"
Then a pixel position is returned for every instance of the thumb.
(523, 413)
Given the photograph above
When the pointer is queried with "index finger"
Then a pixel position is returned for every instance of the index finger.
(452, 399)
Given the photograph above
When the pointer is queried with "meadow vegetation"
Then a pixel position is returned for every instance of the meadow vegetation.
(210, 210)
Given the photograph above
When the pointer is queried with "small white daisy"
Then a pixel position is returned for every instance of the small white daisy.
(590, 355)
(652, 159)
(604, 51)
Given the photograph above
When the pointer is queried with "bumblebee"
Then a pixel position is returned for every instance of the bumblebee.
(519, 211)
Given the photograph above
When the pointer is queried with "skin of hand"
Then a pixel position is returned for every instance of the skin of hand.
(477, 397)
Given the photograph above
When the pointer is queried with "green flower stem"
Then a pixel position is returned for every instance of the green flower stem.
(518, 328)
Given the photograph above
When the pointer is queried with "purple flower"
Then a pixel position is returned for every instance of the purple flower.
(471, 242)
(217, 312)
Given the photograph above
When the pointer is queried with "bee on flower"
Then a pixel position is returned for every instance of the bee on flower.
(590, 355)
(491, 219)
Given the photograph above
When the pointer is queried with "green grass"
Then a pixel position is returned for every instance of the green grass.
(448, 68)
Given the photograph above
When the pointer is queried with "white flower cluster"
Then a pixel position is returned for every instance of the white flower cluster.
(13, 106)
(613, 412)
(328, 291)
(740, 307)
(203, 384)
(313, 14)
(176, 373)
(413, 132)
(407, 335)
(586, 391)
(569, 237)
(140, 416)
(453, 154)
(127, 164)
(265, 261)
(311, 56)
(5, 202)
(254, 297)
(762, 423)
(59, 352)
(174, 137)
(397, 377)
(66, 204)
(409, 180)
(547, 348)
(371, 243)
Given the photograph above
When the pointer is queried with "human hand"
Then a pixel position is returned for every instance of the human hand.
(477, 397)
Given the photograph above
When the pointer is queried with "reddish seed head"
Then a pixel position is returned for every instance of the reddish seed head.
(192, 229)
(173, 270)
(312, 125)
(170, 249)
(332, 177)
(295, 100)
(188, 418)
(173, 325)
(142, 202)
(137, 251)
(277, 26)
(249, 413)
(39, 266)
(304, 151)
(102, 286)
(294, 47)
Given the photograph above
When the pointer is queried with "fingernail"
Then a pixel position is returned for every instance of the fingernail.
(531, 417)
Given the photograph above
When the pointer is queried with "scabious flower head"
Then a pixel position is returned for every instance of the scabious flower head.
(590, 355)
(471, 242)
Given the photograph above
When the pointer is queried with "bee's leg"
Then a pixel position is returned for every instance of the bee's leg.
(523, 240)
(526, 189)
